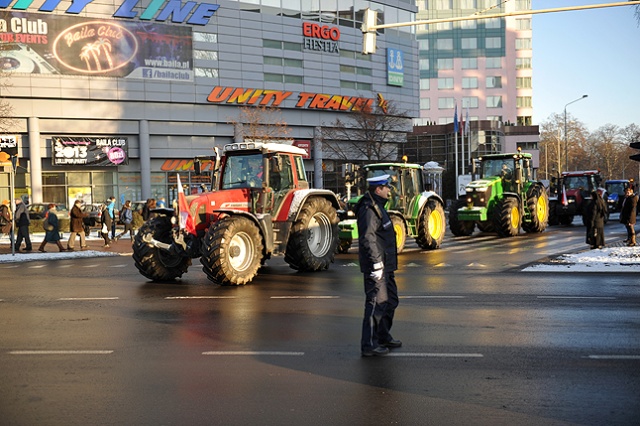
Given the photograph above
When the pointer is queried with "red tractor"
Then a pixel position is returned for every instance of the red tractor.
(261, 206)
(571, 194)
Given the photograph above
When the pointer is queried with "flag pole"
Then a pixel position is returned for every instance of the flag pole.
(455, 144)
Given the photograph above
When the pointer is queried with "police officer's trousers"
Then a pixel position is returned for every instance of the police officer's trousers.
(381, 301)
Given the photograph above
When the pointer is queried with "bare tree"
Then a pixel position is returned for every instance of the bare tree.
(7, 119)
(609, 150)
(554, 144)
(371, 133)
(261, 123)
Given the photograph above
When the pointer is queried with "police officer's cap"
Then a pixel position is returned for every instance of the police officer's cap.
(378, 180)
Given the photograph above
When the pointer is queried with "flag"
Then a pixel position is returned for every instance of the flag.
(183, 207)
(455, 119)
(466, 122)
(564, 196)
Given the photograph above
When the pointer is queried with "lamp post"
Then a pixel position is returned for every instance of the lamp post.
(566, 141)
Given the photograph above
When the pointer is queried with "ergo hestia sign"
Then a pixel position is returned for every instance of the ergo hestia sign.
(323, 38)
(192, 13)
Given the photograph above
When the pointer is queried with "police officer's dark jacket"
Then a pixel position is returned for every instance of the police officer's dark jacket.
(376, 236)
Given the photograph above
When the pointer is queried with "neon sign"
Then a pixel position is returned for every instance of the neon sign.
(192, 13)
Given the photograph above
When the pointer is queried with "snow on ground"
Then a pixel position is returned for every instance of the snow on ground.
(608, 259)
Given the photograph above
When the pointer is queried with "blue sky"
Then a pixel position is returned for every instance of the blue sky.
(593, 52)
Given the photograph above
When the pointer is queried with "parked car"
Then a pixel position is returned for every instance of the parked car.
(38, 210)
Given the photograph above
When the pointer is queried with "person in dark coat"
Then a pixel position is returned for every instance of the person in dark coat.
(76, 226)
(628, 213)
(378, 260)
(21, 216)
(52, 235)
(107, 221)
(596, 213)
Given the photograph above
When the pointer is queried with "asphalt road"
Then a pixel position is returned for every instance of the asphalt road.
(89, 341)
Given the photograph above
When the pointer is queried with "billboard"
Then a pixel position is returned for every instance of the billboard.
(89, 151)
(58, 44)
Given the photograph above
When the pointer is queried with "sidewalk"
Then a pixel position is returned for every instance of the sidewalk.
(94, 248)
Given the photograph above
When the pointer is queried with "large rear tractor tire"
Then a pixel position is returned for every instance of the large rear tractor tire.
(538, 205)
(507, 219)
(155, 263)
(314, 236)
(553, 214)
(432, 226)
(401, 232)
(232, 251)
(459, 228)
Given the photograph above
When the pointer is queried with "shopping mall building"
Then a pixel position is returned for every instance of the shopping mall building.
(115, 97)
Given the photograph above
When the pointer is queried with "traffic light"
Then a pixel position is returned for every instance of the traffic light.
(369, 20)
(635, 145)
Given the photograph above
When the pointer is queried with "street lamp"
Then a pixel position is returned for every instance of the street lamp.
(566, 141)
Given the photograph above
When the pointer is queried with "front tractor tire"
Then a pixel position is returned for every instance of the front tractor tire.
(232, 251)
(507, 218)
(314, 236)
(432, 225)
(538, 206)
(459, 228)
(155, 263)
(401, 232)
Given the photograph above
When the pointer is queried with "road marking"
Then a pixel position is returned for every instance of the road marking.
(432, 297)
(119, 266)
(253, 353)
(304, 297)
(49, 352)
(577, 297)
(89, 298)
(199, 297)
(37, 266)
(434, 355)
(618, 357)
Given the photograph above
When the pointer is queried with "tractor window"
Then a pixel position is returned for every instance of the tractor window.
(577, 182)
(495, 167)
(243, 171)
(280, 174)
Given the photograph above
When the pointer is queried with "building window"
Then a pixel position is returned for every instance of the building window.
(446, 103)
(346, 84)
(445, 63)
(494, 82)
(469, 82)
(493, 23)
(523, 24)
(493, 63)
(423, 64)
(469, 43)
(469, 63)
(442, 4)
(425, 84)
(468, 25)
(205, 37)
(523, 63)
(494, 101)
(470, 102)
(423, 44)
(523, 44)
(206, 72)
(468, 4)
(523, 102)
(206, 55)
(445, 83)
(283, 78)
(529, 146)
(523, 82)
(444, 44)
(425, 103)
(493, 42)
(524, 120)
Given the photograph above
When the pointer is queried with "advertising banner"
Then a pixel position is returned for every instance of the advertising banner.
(56, 44)
(89, 151)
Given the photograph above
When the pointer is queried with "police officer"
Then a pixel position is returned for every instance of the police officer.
(378, 261)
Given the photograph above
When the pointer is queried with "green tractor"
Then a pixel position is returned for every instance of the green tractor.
(503, 200)
(414, 210)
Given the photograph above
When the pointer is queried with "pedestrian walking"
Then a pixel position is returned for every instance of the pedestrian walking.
(52, 229)
(595, 215)
(628, 213)
(107, 221)
(126, 217)
(22, 224)
(5, 217)
(378, 261)
(76, 226)
(111, 207)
